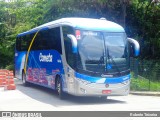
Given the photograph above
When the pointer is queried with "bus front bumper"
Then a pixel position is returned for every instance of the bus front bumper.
(84, 88)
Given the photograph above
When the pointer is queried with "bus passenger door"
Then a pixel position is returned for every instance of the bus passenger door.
(69, 59)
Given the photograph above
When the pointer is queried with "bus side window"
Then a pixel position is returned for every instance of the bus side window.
(18, 44)
(23, 43)
(36, 44)
(30, 39)
(44, 45)
(54, 40)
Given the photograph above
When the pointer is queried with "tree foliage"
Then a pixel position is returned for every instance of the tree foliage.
(142, 20)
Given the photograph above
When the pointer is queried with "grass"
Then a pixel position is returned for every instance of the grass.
(142, 84)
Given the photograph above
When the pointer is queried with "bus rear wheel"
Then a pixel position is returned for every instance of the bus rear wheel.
(25, 83)
(61, 93)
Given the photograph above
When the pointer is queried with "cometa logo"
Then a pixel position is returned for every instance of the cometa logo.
(45, 58)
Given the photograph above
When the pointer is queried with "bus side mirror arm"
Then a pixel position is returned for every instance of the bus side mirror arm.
(135, 45)
(74, 43)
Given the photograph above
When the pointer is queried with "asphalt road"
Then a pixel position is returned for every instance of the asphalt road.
(35, 98)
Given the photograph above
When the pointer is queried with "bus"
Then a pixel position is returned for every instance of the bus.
(77, 56)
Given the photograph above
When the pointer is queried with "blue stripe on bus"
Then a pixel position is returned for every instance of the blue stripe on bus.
(106, 80)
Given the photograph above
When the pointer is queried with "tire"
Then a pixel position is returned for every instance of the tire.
(104, 98)
(25, 83)
(60, 92)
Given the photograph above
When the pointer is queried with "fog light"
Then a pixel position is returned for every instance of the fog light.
(83, 90)
(106, 91)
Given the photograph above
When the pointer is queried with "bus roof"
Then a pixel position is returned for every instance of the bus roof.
(81, 23)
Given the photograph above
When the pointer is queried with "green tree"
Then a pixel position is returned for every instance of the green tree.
(142, 19)
(17, 17)
(143, 23)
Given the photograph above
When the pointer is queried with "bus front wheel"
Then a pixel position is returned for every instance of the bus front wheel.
(104, 98)
(61, 93)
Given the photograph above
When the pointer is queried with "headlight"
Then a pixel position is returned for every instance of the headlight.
(125, 82)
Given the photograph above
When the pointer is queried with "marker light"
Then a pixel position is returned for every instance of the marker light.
(78, 34)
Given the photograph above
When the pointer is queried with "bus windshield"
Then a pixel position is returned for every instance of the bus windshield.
(102, 53)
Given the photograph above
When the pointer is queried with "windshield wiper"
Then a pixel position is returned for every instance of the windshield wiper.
(101, 60)
(110, 57)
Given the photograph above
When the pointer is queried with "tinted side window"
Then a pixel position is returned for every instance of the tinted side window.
(23, 43)
(18, 44)
(40, 42)
(55, 39)
(47, 40)
(36, 42)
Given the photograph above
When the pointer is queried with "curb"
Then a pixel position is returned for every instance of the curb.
(145, 93)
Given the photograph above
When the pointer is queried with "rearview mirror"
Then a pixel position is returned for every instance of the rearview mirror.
(74, 43)
(134, 47)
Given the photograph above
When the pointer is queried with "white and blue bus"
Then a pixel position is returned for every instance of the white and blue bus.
(79, 56)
